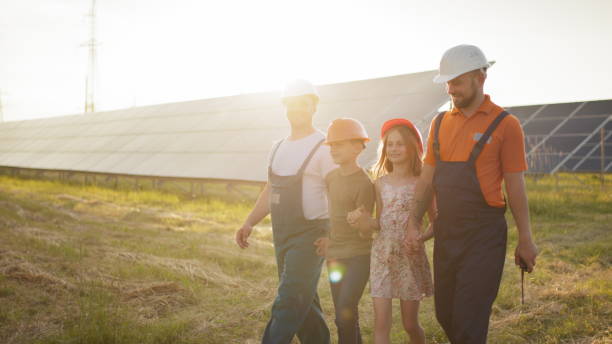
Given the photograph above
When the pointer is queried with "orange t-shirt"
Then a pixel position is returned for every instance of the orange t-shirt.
(503, 153)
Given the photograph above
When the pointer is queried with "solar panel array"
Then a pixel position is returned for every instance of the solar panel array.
(567, 136)
(224, 138)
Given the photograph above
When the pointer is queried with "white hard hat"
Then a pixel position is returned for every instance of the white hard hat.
(299, 87)
(460, 60)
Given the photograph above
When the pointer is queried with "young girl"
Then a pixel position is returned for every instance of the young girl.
(396, 272)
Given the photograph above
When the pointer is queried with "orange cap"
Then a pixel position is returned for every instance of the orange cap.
(397, 122)
(346, 129)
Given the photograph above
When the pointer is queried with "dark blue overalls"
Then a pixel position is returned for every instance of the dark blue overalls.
(469, 247)
(296, 309)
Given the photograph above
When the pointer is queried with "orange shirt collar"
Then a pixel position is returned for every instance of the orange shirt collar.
(485, 108)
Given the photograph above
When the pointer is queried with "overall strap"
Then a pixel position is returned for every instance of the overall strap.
(485, 137)
(274, 152)
(312, 152)
(436, 143)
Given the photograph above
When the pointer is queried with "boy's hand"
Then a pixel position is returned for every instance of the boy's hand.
(321, 245)
(366, 233)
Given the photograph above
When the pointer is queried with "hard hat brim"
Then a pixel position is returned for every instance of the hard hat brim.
(402, 122)
(440, 79)
(312, 95)
(364, 139)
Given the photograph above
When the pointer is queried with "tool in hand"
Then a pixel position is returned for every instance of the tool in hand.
(523, 267)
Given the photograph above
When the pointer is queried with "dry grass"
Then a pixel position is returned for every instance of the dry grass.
(93, 265)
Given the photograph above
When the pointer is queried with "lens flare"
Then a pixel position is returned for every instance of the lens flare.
(336, 271)
(335, 276)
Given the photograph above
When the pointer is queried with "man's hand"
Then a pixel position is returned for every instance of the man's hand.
(242, 235)
(527, 251)
(517, 198)
(321, 245)
(429, 233)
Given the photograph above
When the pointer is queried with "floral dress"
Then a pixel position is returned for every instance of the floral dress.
(394, 273)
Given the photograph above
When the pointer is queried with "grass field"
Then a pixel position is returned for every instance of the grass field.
(82, 264)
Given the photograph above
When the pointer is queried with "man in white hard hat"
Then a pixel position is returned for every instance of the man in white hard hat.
(295, 196)
(472, 149)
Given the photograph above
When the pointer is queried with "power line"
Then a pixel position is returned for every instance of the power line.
(91, 44)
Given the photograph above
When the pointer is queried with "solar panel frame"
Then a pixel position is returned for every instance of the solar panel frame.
(563, 136)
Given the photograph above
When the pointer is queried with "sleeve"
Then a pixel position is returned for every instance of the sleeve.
(513, 147)
(326, 163)
(430, 159)
(366, 195)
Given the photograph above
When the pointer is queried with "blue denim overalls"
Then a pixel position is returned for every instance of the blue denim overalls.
(469, 247)
(296, 309)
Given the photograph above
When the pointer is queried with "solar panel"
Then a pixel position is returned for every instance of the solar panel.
(558, 110)
(522, 113)
(581, 125)
(541, 126)
(566, 136)
(224, 138)
(599, 107)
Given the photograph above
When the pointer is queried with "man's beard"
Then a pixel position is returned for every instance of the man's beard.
(466, 102)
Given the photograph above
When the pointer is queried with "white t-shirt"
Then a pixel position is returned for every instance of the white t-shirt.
(289, 158)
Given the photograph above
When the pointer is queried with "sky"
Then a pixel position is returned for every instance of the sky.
(158, 51)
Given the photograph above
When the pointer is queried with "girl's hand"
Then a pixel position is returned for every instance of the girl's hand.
(353, 216)
(413, 241)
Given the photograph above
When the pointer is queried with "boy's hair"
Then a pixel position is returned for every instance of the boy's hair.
(415, 163)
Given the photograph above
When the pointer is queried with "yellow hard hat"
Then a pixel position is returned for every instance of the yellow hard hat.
(346, 129)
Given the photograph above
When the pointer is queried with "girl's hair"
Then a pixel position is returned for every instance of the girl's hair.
(415, 163)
